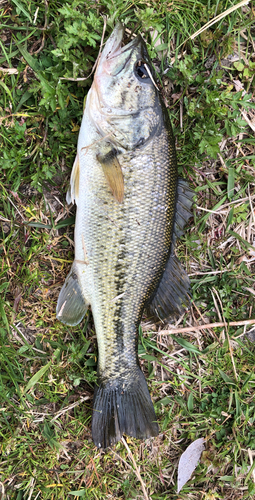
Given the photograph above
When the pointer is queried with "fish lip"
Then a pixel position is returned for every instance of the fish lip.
(120, 50)
(113, 47)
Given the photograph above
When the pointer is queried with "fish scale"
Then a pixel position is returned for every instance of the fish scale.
(126, 188)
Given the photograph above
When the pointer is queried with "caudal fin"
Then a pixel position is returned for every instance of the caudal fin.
(122, 406)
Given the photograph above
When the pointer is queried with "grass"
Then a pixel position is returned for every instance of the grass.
(201, 380)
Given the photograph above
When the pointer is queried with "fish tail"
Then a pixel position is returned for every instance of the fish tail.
(122, 406)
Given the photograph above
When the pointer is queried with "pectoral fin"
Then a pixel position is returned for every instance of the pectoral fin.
(73, 191)
(71, 306)
(113, 173)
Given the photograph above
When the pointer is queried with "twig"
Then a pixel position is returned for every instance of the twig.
(245, 116)
(181, 113)
(32, 485)
(229, 343)
(211, 211)
(150, 75)
(239, 201)
(219, 210)
(15, 208)
(10, 71)
(252, 209)
(136, 469)
(251, 471)
(208, 325)
(70, 407)
(16, 327)
(218, 18)
(42, 44)
(120, 458)
(251, 461)
(4, 219)
(202, 318)
(210, 272)
(215, 303)
(3, 491)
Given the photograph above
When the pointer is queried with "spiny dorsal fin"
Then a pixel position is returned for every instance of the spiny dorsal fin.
(173, 294)
(72, 194)
(113, 173)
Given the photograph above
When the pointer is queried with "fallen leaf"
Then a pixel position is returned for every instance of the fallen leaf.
(176, 96)
(250, 290)
(238, 86)
(188, 462)
(159, 44)
(10, 71)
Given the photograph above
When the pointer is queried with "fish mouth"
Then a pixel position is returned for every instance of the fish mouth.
(115, 55)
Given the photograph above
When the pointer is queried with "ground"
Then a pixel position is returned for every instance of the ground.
(200, 369)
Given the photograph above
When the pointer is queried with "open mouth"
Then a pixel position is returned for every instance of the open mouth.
(115, 45)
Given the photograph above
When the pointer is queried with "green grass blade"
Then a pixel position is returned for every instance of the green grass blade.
(22, 9)
(37, 376)
(6, 89)
(226, 378)
(78, 493)
(231, 182)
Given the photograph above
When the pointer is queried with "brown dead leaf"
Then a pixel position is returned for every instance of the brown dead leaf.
(238, 86)
(177, 96)
(9, 71)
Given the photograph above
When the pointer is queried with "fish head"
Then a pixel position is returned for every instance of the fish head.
(124, 93)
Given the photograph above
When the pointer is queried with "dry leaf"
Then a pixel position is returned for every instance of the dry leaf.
(157, 43)
(10, 71)
(239, 86)
(189, 461)
(250, 290)
(177, 96)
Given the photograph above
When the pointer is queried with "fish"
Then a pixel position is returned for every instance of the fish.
(131, 208)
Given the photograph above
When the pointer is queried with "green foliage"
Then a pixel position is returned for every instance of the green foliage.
(215, 112)
(79, 28)
(150, 18)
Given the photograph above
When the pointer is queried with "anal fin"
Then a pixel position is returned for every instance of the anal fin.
(71, 305)
(173, 293)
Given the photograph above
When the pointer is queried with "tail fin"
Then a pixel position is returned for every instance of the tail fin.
(122, 406)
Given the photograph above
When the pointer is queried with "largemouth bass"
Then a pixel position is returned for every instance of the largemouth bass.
(130, 209)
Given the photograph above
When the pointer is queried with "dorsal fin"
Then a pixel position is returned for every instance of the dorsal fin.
(173, 294)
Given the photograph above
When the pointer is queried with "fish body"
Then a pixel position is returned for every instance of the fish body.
(130, 209)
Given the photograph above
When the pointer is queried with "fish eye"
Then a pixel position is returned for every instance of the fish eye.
(141, 71)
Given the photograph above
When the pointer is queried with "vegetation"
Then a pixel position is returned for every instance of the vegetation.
(201, 379)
